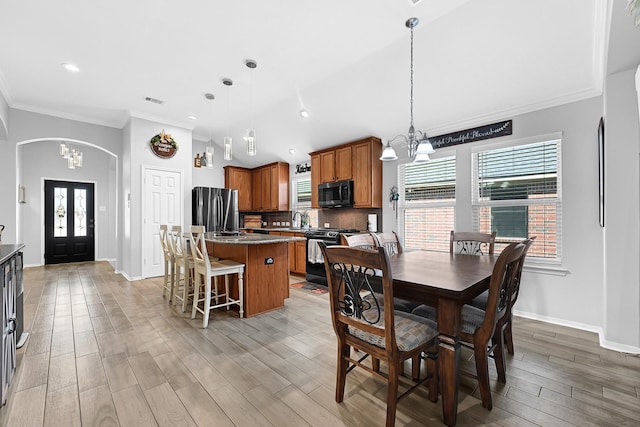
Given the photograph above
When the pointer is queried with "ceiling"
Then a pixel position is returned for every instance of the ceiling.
(346, 62)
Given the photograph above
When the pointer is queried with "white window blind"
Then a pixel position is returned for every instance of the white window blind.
(516, 192)
(427, 203)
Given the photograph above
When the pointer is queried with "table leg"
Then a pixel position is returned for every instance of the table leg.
(449, 318)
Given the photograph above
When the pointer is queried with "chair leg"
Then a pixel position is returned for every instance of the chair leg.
(172, 280)
(207, 301)
(415, 367)
(392, 393)
(226, 290)
(482, 370)
(498, 353)
(166, 279)
(186, 288)
(508, 336)
(375, 364)
(196, 294)
(343, 353)
(432, 370)
(241, 294)
(215, 289)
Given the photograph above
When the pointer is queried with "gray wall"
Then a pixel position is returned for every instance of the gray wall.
(40, 160)
(575, 298)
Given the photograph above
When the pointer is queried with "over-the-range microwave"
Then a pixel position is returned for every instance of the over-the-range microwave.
(335, 194)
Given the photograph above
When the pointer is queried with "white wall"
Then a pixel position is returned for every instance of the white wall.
(138, 155)
(622, 211)
(205, 177)
(577, 297)
(42, 161)
(4, 117)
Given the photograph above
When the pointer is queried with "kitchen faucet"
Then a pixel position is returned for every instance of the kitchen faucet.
(294, 223)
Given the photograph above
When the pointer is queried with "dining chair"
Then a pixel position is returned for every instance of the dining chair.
(479, 326)
(363, 240)
(183, 282)
(367, 321)
(472, 243)
(169, 265)
(390, 242)
(207, 270)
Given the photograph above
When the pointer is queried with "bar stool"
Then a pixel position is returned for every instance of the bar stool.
(169, 263)
(183, 268)
(207, 271)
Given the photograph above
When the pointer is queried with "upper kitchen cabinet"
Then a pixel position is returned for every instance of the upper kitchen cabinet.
(358, 161)
(262, 189)
(239, 179)
(335, 165)
(367, 176)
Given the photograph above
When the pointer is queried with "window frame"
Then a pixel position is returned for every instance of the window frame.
(403, 205)
(476, 204)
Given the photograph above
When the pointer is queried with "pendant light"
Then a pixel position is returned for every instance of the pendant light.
(228, 141)
(417, 143)
(72, 155)
(250, 137)
(209, 150)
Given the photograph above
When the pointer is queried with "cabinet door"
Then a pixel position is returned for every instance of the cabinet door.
(315, 180)
(240, 179)
(267, 190)
(343, 163)
(327, 166)
(362, 175)
(301, 256)
(256, 176)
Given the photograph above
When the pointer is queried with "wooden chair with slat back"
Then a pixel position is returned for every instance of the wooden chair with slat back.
(367, 321)
(169, 264)
(183, 287)
(390, 242)
(472, 243)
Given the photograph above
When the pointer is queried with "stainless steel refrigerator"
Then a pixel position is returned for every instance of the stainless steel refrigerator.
(216, 209)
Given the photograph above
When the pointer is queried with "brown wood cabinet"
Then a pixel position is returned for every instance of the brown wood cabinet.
(262, 189)
(364, 168)
(239, 179)
(297, 253)
(335, 165)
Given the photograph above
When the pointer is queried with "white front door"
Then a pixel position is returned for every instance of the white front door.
(162, 192)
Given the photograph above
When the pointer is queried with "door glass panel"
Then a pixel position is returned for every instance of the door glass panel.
(60, 212)
(80, 223)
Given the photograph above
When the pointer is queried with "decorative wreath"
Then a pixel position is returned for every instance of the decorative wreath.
(163, 138)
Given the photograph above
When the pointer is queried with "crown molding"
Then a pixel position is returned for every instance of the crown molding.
(65, 115)
(152, 118)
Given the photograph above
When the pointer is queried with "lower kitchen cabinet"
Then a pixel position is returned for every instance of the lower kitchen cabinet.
(11, 280)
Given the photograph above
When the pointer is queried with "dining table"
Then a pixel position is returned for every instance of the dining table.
(447, 282)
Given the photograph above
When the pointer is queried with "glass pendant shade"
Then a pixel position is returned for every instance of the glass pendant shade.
(425, 147)
(209, 156)
(251, 142)
(70, 163)
(228, 148)
(78, 159)
(388, 153)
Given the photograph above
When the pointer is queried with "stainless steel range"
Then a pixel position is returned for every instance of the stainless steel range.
(315, 264)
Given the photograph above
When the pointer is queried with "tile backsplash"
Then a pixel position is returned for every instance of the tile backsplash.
(336, 218)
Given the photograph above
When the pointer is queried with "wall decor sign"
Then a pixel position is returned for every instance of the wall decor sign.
(479, 133)
(163, 145)
(303, 168)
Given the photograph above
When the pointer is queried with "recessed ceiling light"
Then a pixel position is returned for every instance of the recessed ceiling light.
(192, 117)
(304, 113)
(70, 67)
(292, 151)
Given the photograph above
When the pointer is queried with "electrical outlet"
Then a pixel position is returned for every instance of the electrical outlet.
(327, 225)
(277, 223)
(286, 224)
(268, 261)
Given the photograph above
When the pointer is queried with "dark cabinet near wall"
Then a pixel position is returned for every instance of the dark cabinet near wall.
(11, 301)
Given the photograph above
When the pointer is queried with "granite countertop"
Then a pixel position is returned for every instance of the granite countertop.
(269, 229)
(7, 250)
(250, 239)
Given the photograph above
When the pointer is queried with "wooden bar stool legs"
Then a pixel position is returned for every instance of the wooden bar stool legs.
(204, 296)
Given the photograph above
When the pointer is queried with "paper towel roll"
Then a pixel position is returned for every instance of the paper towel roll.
(372, 222)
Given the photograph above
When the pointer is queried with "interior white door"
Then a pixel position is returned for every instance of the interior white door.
(162, 192)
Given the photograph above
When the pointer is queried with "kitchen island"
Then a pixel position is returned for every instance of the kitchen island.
(266, 274)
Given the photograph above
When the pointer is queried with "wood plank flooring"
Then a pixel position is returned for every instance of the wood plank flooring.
(104, 351)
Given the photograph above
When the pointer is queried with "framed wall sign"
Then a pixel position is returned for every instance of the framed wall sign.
(163, 145)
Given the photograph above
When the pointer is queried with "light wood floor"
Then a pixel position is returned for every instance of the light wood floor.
(104, 351)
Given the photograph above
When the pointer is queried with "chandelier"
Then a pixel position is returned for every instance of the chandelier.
(73, 156)
(416, 142)
(208, 153)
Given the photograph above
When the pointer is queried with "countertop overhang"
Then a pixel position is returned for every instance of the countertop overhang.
(251, 239)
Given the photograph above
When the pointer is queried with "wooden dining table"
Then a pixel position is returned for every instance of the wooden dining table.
(447, 282)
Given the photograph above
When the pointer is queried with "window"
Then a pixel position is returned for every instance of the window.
(301, 197)
(516, 193)
(427, 198)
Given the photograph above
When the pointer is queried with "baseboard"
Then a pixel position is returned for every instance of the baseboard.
(126, 276)
(610, 345)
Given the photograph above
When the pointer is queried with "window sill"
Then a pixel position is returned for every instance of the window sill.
(545, 269)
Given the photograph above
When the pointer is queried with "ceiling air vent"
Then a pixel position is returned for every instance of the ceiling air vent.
(154, 100)
(414, 2)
